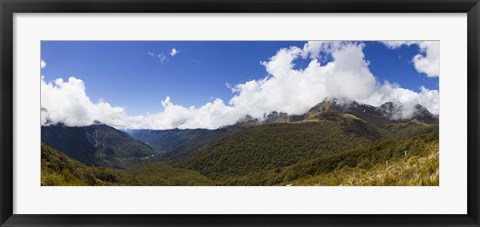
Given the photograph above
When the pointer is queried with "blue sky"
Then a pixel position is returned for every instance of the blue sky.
(126, 74)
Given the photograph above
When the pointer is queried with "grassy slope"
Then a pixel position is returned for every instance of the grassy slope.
(308, 153)
(415, 170)
(165, 175)
(60, 170)
(409, 129)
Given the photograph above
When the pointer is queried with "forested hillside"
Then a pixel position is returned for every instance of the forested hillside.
(331, 144)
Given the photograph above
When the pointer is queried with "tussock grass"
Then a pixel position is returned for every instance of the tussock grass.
(415, 170)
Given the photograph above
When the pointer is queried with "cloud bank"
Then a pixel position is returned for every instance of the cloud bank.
(286, 89)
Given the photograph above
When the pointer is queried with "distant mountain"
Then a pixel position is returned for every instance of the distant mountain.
(351, 118)
(332, 108)
(167, 140)
(176, 144)
(380, 116)
(326, 145)
(245, 122)
(308, 134)
(96, 145)
(422, 114)
(328, 127)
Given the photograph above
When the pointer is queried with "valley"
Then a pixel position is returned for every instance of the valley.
(333, 143)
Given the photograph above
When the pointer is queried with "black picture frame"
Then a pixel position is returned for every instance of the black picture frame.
(10, 7)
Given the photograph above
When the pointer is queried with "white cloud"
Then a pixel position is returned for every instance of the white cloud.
(67, 102)
(212, 115)
(43, 64)
(388, 92)
(286, 89)
(162, 57)
(174, 52)
(397, 44)
(295, 91)
(427, 60)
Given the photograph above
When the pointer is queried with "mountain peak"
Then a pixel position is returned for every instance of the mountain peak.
(335, 105)
(275, 117)
(247, 121)
(96, 122)
(325, 105)
(398, 112)
(423, 114)
(389, 111)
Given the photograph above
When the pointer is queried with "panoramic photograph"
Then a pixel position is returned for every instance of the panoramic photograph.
(240, 113)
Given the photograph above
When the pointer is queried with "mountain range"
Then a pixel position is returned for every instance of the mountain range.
(96, 145)
(278, 149)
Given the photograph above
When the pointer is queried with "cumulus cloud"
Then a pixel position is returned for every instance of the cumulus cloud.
(212, 115)
(285, 89)
(427, 60)
(43, 64)
(174, 52)
(67, 102)
(295, 91)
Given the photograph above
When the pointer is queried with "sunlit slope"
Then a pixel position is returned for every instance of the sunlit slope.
(411, 170)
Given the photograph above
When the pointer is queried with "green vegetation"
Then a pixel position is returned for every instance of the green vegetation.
(271, 146)
(165, 175)
(196, 143)
(418, 166)
(409, 129)
(167, 140)
(413, 161)
(331, 144)
(60, 170)
(97, 145)
(415, 170)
